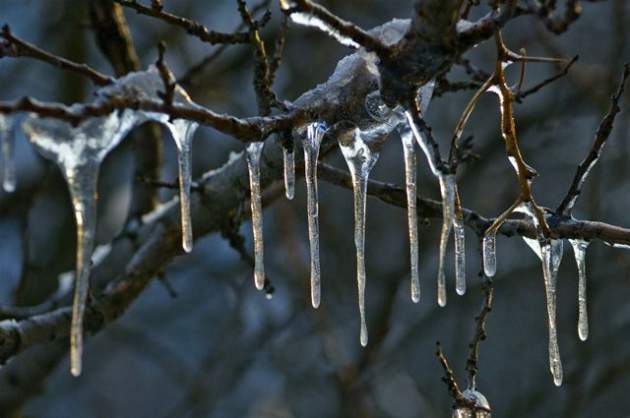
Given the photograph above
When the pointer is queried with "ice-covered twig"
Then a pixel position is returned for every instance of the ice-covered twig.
(472, 364)
(524, 93)
(346, 32)
(585, 167)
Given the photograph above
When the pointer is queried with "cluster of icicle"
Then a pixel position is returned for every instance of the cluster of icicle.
(79, 151)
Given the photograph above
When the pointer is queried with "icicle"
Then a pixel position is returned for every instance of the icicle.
(360, 160)
(490, 254)
(149, 84)
(447, 189)
(460, 255)
(311, 143)
(79, 152)
(6, 143)
(551, 256)
(288, 158)
(254, 152)
(579, 250)
(182, 132)
(550, 252)
(409, 152)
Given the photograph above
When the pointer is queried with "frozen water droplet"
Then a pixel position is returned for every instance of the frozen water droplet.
(288, 159)
(79, 151)
(409, 153)
(360, 160)
(311, 143)
(253, 153)
(579, 250)
(490, 254)
(6, 143)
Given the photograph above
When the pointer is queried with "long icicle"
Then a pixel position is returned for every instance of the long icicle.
(579, 250)
(448, 215)
(408, 143)
(182, 132)
(311, 143)
(288, 159)
(79, 151)
(360, 160)
(253, 153)
(460, 251)
(551, 255)
(82, 182)
(8, 163)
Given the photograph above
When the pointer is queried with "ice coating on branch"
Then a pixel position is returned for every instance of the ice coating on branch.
(311, 143)
(460, 254)
(490, 253)
(481, 410)
(79, 151)
(447, 190)
(360, 160)
(253, 153)
(579, 251)
(6, 144)
(408, 143)
(288, 160)
(149, 85)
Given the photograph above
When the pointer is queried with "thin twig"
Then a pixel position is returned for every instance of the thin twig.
(603, 132)
(193, 27)
(565, 70)
(16, 47)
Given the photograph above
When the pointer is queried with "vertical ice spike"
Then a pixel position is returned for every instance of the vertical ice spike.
(254, 153)
(82, 182)
(460, 254)
(490, 253)
(579, 250)
(311, 143)
(408, 143)
(288, 158)
(6, 143)
(551, 255)
(79, 151)
(182, 132)
(447, 190)
(360, 160)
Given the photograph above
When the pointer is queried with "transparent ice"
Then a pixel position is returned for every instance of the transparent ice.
(360, 160)
(253, 153)
(79, 151)
(550, 252)
(490, 254)
(579, 250)
(6, 144)
(311, 143)
(288, 159)
(149, 85)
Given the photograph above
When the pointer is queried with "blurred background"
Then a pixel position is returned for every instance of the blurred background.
(219, 348)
